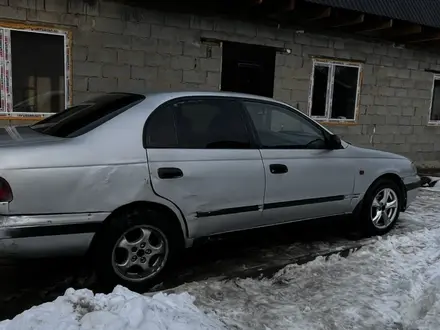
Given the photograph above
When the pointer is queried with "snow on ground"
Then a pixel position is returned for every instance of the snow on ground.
(436, 184)
(391, 284)
(120, 310)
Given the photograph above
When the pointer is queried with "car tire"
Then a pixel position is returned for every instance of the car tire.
(380, 213)
(135, 248)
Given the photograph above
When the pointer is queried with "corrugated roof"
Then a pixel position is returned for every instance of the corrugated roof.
(423, 12)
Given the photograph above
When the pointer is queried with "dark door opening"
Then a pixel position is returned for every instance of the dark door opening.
(248, 69)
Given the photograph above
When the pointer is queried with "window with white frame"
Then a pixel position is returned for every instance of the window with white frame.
(334, 90)
(434, 112)
(34, 71)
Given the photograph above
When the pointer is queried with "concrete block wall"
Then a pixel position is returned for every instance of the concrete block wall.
(122, 48)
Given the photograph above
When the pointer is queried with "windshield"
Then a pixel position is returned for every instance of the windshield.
(86, 116)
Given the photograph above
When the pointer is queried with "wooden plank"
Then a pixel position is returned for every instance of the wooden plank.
(290, 6)
(410, 30)
(373, 26)
(422, 38)
(283, 10)
(404, 31)
(348, 22)
(314, 16)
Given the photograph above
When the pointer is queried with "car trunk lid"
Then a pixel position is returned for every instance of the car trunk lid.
(15, 136)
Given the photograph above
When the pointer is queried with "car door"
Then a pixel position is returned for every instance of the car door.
(201, 158)
(304, 179)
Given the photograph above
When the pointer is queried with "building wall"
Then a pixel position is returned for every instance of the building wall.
(119, 48)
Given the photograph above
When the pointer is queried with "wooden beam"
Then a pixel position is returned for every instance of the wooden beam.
(422, 38)
(310, 16)
(279, 11)
(402, 31)
(373, 26)
(348, 21)
(276, 6)
(289, 6)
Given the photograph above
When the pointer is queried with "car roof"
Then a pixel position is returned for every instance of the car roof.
(166, 96)
(155, 99)
(161, 97)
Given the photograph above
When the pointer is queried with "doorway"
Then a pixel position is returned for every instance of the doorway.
(248, 69)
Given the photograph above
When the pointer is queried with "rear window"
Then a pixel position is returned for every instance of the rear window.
(86, 116)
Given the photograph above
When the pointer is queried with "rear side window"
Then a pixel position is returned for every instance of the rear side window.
(198, 124)
(86, 116)
(161, 130)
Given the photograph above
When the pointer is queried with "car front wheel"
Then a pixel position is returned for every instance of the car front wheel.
(381, 208)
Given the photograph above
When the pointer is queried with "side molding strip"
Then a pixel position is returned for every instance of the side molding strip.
(53, 230)
(268, 206)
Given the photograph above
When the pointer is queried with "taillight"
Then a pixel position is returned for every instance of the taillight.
(5, 191)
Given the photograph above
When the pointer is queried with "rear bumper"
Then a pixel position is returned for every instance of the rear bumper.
(412, 187)
(48, 235)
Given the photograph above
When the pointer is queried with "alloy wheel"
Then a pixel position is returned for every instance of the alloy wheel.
(140, 253)
(384, 208)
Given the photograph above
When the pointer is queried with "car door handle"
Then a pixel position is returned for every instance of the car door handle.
(278, 168)
(169, 173)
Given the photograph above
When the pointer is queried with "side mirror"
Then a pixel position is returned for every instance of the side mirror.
(334, 142)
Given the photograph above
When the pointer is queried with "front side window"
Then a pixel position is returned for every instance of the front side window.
(34, 71)
(198, 124)
(86, 116)
(334, 91)
(280, 128)
(434, 115)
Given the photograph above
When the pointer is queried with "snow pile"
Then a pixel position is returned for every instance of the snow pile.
(432, 183)
(393, 284)
(122, 309)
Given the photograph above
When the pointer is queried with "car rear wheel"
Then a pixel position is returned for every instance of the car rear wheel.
(135, 249)
(381, 208)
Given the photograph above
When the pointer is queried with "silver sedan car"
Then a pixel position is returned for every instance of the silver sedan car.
(134, 179)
